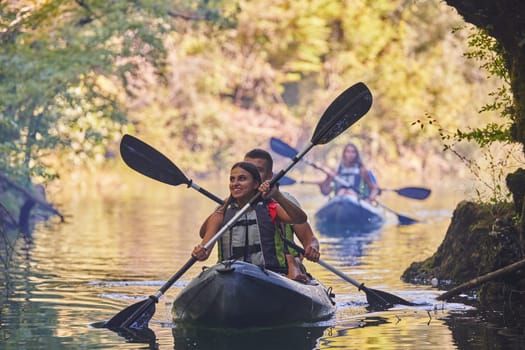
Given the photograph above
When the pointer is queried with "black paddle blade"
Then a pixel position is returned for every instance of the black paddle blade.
(414, 192)
(380, 300)
(405, 220)
(145, 159)
(344, 111)
(402, 219)
(282, 148)
(136, 316)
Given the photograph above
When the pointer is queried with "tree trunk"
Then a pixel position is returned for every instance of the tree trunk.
(482, 279)
(505, 21)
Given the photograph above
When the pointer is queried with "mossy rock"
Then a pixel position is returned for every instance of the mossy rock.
(480, 239)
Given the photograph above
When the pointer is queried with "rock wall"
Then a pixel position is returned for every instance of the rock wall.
(481, 238)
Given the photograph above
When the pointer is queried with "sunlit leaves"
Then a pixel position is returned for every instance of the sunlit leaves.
(51, 51)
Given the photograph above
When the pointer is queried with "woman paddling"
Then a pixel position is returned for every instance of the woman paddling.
(351, 177)
(252, 238)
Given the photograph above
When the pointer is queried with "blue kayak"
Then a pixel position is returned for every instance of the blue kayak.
(235, 294)
(347, 214)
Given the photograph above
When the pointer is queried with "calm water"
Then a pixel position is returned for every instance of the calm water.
(122, 244)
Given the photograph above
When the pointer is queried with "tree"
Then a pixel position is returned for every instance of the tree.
(63, 67)
(503, 20)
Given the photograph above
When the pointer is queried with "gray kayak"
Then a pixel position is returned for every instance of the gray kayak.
(238, 294)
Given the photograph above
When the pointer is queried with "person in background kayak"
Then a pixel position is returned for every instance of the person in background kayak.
(351, 177)
(252, 238)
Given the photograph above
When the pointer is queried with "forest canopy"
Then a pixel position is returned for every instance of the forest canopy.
(205, 81)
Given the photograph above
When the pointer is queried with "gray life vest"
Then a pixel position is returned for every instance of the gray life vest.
(253, 238)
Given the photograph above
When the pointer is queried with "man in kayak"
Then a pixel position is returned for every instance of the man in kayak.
(264, 163)
(351, 177)
(252, 238)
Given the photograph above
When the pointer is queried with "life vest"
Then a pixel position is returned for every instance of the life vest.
(352, 176)
(254, 237)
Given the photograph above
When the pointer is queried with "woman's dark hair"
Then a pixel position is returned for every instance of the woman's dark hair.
(249, 167)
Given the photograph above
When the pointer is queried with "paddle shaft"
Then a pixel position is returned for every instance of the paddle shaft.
(205, 192)
(374, 297)
(325, 264)
(339, 273)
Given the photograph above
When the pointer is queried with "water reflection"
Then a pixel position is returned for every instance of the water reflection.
(488, 329)
(255, 339)
(135, 336)
(119, 246)
(350, 248)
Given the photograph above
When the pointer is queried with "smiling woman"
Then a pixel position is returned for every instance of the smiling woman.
(253, 238)
(244, 182)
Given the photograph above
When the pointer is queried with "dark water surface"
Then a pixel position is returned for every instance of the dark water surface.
(120, 245)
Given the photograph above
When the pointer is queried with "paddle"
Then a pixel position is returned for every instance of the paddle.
(410, 192)
(146, 160)
(286, 181)
(284, 149)
(343, 112)
(376, 298)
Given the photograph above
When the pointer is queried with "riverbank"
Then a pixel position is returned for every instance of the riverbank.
(479, 248)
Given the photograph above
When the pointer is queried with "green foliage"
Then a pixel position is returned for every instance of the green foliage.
(205, 80)
(492, 132)
(486, 50)
(489, 170)
(63, 68)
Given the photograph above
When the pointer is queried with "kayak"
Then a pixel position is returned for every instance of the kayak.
(236, 294)
(348, 214)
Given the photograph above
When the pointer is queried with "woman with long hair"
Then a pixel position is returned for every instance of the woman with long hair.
(351, 177)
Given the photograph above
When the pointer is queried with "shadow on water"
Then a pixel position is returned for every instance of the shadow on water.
(305, 337)
(134, 336)
(253, 339)
(193, 337)
(484, 329)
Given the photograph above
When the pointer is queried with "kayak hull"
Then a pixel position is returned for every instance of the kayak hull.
(348, 214)
(238, 294)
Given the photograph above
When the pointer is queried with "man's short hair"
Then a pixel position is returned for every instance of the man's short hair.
(258, 153)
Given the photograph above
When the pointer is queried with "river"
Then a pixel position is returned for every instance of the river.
(121, 243)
